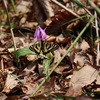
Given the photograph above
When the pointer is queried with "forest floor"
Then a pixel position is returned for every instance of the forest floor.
(50, 49)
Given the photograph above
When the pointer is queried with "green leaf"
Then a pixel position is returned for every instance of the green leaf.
(13, 5)
(46, 63)
(22, 52)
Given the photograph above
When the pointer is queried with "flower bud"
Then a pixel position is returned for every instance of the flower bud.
(40, 33)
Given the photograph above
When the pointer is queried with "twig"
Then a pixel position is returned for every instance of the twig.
(87, 11)
(82, 6)
(2, 65)
(59, 4)
(75, 41)
(11, 30)
(97, 33)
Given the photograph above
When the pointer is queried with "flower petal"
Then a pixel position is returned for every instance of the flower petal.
(40, 34)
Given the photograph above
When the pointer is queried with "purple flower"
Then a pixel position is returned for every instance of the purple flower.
(40, 33)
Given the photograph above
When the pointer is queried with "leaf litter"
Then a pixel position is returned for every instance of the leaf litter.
(77, 77)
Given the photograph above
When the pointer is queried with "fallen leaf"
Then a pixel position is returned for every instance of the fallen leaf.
(81, 58)
(10, 84)
(84, 45)
(23, 6)
(82, 77)
(56, 22)
(3, 96)
(83, 98)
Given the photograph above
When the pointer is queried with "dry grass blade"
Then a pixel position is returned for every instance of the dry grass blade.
(59, 4)
(94, 6)
(98, 44)
(11, 29)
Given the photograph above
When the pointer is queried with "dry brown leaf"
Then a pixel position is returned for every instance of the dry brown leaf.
(66, 1)
(55, 23)
(84, 45)
(83, 55)
(64, 67)
(2, 36)
(75, 90)
(23, 6)
(57, 56)
(2, 79)
(92, 56)
(3, 96)
(81, 78)
(49, 85)
(81, 59)
(10, 84)
(30, 87)
(61, 39)
(31, 57)
(30, 83)
(83, 98)
(51, 38)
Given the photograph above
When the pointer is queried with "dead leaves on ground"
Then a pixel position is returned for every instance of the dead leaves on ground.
(75, 75)
(71, 77)
(56, 22)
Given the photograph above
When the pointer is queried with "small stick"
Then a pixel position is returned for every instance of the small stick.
(59, 4)
(97, 32)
